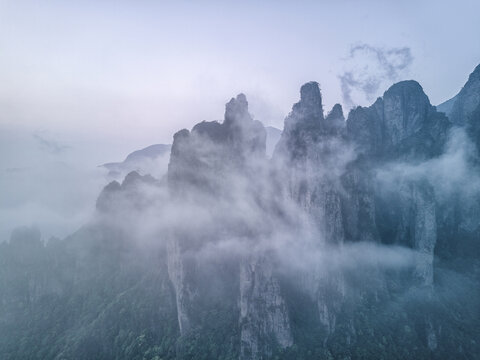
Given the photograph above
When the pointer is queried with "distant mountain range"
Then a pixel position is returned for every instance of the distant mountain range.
(151, 160)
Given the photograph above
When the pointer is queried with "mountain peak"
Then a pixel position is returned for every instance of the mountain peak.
(310, 92)
(410, 87)
(310, 104)
(237, 109)
(336, 113)
(405, 107)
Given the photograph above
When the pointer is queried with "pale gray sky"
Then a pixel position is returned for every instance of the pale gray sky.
(87, 82)
(130, 73)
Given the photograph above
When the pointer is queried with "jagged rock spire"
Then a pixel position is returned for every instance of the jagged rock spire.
(335, 119)
(401, 123)
(336, 113)
(406, 108)
(310, 104)
(236, 110)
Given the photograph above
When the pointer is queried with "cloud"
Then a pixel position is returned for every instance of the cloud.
(49, 145)
(369, 67)
(451, 173)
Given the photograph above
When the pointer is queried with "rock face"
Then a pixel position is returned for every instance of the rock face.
(400, 127)
(459, 227)
(311, 154)
(264, 319)
(425, 231)
(403, 124)
(405, 111)
(463, 109)
(467, 100)
(329, 168)
(466, 109)
(335, 119)
(223, 159)
(183, 292)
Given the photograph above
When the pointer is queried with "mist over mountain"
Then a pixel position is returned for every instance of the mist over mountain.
(154, 159)
(341, 237)
(151, 160)
(273, 136)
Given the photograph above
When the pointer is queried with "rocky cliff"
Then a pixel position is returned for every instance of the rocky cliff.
(210, 166)
(400, 127)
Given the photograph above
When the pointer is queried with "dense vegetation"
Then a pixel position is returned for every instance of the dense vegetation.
(96, 295)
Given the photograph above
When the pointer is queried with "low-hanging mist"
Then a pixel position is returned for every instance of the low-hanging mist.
(356, 239)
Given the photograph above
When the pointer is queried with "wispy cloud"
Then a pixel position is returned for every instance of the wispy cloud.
(48, 144)
(369, 67)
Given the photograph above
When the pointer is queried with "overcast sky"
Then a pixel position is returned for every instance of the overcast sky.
(90, 81)
(130, 73)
